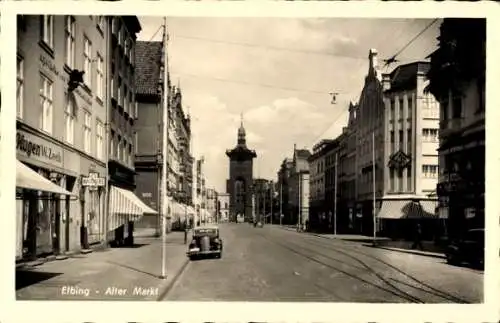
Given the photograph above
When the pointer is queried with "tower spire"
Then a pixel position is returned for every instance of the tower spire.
(241, 119)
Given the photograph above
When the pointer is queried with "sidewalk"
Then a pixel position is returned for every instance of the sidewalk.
(346, 237)
(110, 274)
(382, 243)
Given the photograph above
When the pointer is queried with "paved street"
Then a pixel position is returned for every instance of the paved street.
(274, 264)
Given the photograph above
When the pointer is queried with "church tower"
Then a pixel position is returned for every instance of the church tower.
(240, 182)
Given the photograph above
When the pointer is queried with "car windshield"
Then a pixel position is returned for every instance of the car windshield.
(206, 232)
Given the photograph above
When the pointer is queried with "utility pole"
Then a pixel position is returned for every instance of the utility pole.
(374, 204)
(164, 192)
(271, 193)
(299, 225)
(264, 202)
(281, 201)
(335, 197)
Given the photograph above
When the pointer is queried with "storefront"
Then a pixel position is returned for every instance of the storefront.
(43, 196)
(125, 208)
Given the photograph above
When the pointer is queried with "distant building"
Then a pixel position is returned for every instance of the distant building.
(239, 184)
(223, 206)
(283, 189)
(332, 162)
(211, 205)
(457, 80)
(298, 188)
(317, 212)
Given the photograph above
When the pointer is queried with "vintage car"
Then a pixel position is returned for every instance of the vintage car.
(205, 242)
(469, 248)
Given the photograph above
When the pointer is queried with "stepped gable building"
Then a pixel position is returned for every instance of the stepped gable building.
(239, 184)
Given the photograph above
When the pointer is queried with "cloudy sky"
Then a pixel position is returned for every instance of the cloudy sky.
(278, 73)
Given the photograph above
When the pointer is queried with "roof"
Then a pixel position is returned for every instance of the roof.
(404, 77)
(303, 153)
(147, 62)
(207, 226)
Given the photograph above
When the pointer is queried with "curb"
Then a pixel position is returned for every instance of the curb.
(433, 255)
(170, 284)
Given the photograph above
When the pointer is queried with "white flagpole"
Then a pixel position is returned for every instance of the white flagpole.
(165, 153)
(374, 193)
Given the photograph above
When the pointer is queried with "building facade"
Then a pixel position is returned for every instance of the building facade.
(149, 128)
(457, 80)
(239, 184)
(370, 141)
(330, 214)
(283, 190)
(298, 188)
(317, 214)
(211, 205)
(347, 175)
(223, 202)
(122, 31)
(410, 152)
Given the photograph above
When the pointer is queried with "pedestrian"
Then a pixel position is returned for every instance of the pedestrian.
(418, 238)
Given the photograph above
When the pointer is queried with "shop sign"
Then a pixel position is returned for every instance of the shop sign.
(38, 148)
(93, 180)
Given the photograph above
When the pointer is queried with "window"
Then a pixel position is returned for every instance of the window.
(46, 104)
(70, 31)
(87, 133)
(136, 142)
(125, 152)
(456, 107)
(393, 104)
(392, 141)
(430, 135)
(391, 180)
(99, 140)
(69, 120)
(119, 147)
(20, 86)
(401, 142)
(401, 106)
(430, 171)
(100, 77)
(410, 106)
(130, 159)
(409, 178)
(400, 180)
(47, 30)
(112, 145)
(409, 147)
(87, 62)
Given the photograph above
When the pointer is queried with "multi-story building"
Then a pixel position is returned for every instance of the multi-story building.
(200, 193)
(283, 189)
(223, 206)
(149, 127)
(370, 137)
(183, 133)
(331, 156)
(317, 185)
(457, 80)
(122, 112)
(347, 173)
(410, 165)
(211, 206)
(298, 188)
(50, 49)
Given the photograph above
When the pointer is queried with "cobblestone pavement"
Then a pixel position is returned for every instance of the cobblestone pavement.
(109, 274)
(272, 264)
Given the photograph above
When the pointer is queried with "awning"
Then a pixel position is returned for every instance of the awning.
(29, 179)
(408, 209)
(125, 206)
